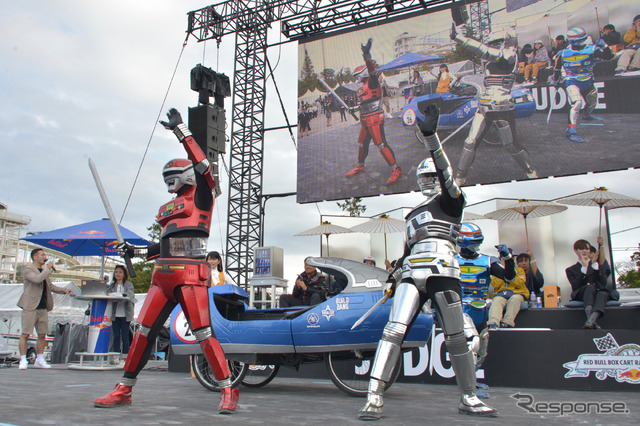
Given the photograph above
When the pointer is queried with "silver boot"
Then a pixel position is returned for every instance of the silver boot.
(372, 409)
(471, 404)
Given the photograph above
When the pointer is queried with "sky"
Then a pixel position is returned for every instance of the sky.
(84, 80)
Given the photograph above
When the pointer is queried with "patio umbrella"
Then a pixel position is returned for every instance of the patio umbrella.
(326, 228)
(599, 197)
(382, 225)
(95, 238)
(524, 209)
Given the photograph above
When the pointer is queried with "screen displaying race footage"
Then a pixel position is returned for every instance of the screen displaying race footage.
(548, 89)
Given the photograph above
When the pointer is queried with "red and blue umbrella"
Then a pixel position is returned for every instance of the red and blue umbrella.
(95, 238)
(409, 60)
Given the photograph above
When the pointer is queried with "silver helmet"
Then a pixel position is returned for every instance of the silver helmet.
(427, 177)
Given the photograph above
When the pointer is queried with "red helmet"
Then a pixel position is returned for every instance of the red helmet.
(360, 72)
(177, 173)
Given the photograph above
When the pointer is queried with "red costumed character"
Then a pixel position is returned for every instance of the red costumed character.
(181, 273)
(372, 116)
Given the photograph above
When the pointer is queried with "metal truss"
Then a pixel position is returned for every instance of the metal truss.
(250, 20)
(247, 144)
(480, 19)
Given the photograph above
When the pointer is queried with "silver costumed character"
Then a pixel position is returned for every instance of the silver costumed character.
(428, 270)
(497, 106)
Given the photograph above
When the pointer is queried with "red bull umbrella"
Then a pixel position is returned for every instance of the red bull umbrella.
(95, 238)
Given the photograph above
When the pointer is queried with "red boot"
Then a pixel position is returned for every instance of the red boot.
(395, 174)
(357, 169)
(228, 401)
(120, 395)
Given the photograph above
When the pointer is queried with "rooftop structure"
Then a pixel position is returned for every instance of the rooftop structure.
(14, 254)
(10, 229)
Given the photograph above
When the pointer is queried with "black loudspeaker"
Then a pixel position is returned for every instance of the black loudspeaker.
(207, 124)
(459, 14)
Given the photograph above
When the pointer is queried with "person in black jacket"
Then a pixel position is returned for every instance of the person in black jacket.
(589, 282)
(309, 289)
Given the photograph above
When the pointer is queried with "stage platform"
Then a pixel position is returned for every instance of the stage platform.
(60, 396)
(547, 349)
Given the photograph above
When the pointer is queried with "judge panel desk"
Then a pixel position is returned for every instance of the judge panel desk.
(548, 348)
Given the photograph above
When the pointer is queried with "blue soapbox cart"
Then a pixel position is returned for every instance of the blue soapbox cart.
(257, 342)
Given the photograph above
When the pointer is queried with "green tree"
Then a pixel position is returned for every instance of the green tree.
(307, 67)
(353, 206)
(144, 269)
(631, 279)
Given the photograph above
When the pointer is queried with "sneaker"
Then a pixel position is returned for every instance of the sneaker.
(24, 364)
(395, 174)
(619, 72)
(41, 363)
(493, 326)
(357, 169)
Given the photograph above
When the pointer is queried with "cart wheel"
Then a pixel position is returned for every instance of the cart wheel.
(205, 376)
(351, 374)
(259, 375)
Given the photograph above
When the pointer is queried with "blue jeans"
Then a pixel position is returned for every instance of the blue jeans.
(120, 331)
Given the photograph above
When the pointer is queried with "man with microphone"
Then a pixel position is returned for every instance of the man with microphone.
(36, 302)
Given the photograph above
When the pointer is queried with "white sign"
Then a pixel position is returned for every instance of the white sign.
(619, 362)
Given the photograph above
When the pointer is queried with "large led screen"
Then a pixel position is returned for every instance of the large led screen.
(343, 153)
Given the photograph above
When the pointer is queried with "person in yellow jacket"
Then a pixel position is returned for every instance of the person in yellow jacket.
(509, 295)
(445, 79)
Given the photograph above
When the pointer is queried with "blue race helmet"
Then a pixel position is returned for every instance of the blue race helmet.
(577, 36)
(470, 236)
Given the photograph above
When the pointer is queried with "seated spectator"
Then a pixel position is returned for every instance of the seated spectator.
(539, 58)
(535, 280)
(558, 45)
(369, 261)
(610, 35)
(308, 290)
(507, 298)
(629, 60)
(523, 56)
(588, 282)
